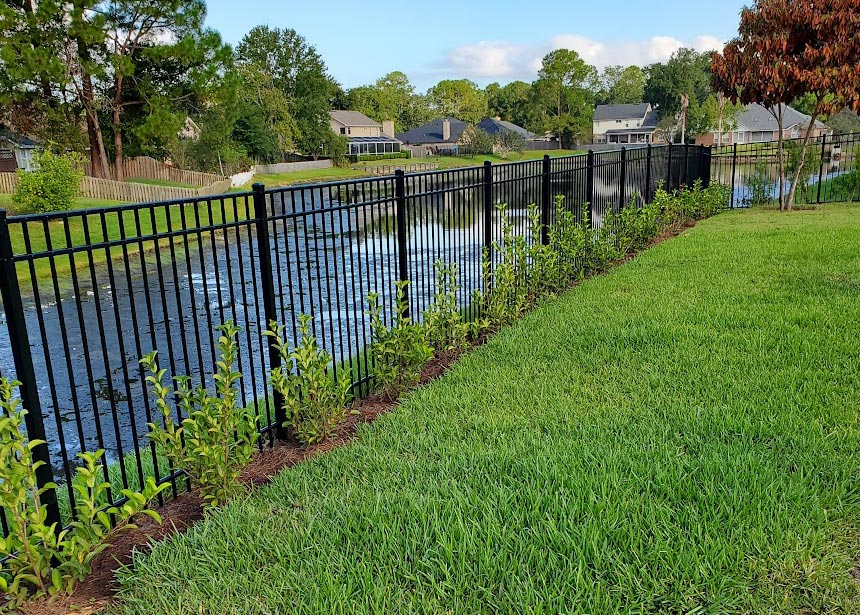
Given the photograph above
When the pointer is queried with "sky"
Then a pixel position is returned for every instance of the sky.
(484, 41)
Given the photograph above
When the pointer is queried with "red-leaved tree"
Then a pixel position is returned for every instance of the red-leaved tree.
(789, 48)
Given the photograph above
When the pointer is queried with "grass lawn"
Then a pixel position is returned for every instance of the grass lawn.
(681, 435)
(360, 169)
(96, 232)
(80, 203)
(159, 182)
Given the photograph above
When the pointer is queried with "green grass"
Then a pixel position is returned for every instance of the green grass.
(159, 182)
(96, 232)
(678, 436)
(80, 203)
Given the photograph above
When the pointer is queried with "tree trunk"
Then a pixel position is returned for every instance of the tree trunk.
(797, 172)
(780, 158)
(98, 156)
(117, 131)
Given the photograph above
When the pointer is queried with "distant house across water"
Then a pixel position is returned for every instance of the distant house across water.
(755, 124)
(366, 136)
(630, 123)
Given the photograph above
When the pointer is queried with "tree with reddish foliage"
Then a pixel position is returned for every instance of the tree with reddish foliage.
(790, 48)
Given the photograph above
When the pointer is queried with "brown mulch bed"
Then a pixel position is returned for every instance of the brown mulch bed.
(97, 591)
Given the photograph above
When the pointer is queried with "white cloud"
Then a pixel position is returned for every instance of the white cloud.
(502, 60)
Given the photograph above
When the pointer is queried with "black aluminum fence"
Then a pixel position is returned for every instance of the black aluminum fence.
(87, 293)
(830, 170)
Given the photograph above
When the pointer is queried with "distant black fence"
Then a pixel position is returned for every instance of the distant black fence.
(830, 171)
(86, 293)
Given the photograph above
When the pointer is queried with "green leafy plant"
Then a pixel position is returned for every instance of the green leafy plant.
(53, 186)
(39, 559)
(315, 401)
(760, 184)
(399, 352)
(217, 438)
(445, 330)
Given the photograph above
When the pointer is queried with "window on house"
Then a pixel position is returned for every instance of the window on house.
(617, 121)
(343, 130)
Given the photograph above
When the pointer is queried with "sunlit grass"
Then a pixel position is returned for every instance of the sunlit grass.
(678, 436)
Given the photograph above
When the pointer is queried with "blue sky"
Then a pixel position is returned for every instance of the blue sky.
(484, 41)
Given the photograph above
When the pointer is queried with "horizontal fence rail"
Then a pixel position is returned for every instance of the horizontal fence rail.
(830, 170)
(86, 293)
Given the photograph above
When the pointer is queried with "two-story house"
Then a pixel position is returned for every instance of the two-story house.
(630, 123)
(366, 137)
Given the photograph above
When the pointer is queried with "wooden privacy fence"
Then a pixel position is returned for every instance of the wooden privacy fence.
(389, 169)
(130, 192)
(144, 167)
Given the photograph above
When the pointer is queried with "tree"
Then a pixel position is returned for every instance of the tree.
(46, 80)
(391, 97)
(719, 114)
(787, 49)
(142, 34)
(844, 122)
(298, 71)
(512, 102)
(564, 93)
(476, 142)
(622, 85)
(458, 98)
(686, 73)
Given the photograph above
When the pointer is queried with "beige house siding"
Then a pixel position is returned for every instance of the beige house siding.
(356, 131)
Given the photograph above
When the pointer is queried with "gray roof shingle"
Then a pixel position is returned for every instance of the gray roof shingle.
(431, 132)
(758, 119)
(620, 112)
(352, 118)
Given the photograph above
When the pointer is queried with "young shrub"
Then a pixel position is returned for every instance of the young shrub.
(541, 261)
(314, 400)
(444, 327)
(567, 239)
(760, 184)
(634, 226)
(217, 438)
(40, 561)
(53, 186)
(399, 352)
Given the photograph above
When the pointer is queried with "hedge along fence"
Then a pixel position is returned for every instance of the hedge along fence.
(130, 192)
(144, 167)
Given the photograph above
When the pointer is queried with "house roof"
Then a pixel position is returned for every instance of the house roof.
(352, 118)
(15, 138)
(495, 127)
(756, 118)
(381, 139)
(631, 131)
(621, 112)
(431, 132)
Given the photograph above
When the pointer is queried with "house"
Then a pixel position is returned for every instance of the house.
(446, 133)
(755, 124)
(16, 151)
(441, 134)
(630, 123)
(497, 127)
(366, 137)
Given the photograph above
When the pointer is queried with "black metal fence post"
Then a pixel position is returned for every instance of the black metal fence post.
(10, 294)
(267, 280)
(705, 165)
(622, 180)
(647, 197)
(669, 170)
(734, 168)
(589, 186)
(821, 168)
(488, 209)
(546, 191)
(402, 240)
(686, 169)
